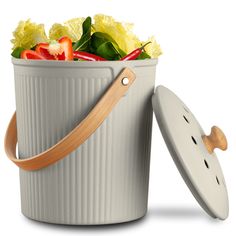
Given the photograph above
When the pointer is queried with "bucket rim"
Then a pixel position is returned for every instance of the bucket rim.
(75, 64)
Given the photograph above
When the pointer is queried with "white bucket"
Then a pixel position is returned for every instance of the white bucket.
(105, 180)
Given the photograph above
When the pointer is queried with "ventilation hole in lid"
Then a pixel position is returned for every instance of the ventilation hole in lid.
(217, 180)
(206, 164)
(185, 119)
(194, 140)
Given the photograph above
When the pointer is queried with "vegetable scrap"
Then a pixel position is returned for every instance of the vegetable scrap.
(79, 39)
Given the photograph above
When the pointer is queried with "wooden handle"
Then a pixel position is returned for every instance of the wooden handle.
(216, 139)
(78, 135)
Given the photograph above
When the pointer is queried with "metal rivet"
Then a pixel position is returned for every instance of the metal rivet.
(125, 81)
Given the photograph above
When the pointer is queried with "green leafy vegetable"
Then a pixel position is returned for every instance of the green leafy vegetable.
(143, 55)
(99, 38)
(17, 52)
(108, 51)
(83, 44)
(102, 43)
(121, 52)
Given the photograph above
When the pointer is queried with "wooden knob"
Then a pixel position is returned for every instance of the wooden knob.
(216, 139)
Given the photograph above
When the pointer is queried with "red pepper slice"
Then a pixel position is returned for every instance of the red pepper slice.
(30, 54)
(42, 48)
(66, 45)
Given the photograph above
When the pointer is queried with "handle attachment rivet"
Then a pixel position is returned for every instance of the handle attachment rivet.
(125, 81)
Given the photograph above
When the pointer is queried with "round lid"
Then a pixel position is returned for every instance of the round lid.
(193, 151)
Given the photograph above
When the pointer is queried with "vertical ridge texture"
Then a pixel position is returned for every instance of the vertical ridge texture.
(106, 179)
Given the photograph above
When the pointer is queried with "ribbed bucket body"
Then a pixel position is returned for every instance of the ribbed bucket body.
(105, 180)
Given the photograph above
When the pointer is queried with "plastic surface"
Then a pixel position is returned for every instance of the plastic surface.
(105, 180)
(183, 136)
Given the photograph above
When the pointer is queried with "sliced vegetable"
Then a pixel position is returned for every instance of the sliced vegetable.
(66, 45)
(87, 56)
(56, 50)
(42, 48)
(134, 54)
(106, 39)
(30, 54)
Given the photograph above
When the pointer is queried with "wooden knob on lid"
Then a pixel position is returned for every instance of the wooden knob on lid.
(216, 139)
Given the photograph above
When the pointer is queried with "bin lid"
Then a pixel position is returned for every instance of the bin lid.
(193, 151)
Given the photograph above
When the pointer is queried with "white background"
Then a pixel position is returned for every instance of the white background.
(198, 39)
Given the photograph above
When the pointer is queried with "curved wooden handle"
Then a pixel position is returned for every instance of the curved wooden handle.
(78, 135)
(216, 139)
